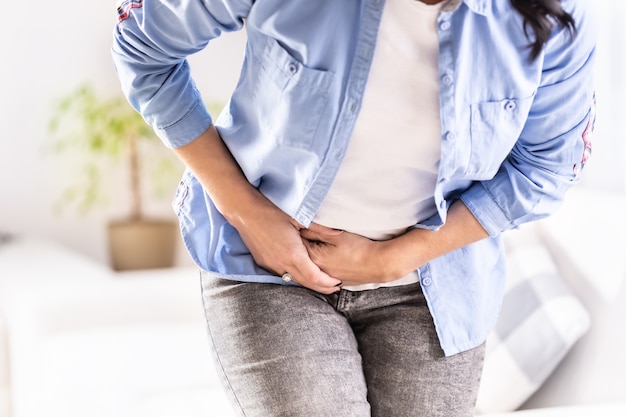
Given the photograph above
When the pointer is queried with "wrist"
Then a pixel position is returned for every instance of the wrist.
(397, 259)
(418, 246)
(245, 205)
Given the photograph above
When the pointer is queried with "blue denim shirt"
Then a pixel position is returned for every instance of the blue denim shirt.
(515, 133)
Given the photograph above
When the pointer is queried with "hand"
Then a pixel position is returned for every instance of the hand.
(274, 241)
(352, 258)
(355, 259)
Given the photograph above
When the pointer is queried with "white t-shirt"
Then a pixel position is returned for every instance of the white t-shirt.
(388, 175)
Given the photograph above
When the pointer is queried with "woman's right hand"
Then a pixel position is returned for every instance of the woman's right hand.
(271, 235)
(274, 241)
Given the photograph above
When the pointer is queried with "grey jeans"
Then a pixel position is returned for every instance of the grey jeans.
(289, 351)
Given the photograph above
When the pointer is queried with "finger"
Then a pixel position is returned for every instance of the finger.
(316, 251)
(296, 224)
(323, 230)
(310, 275)
(315, 284)
(313, 235)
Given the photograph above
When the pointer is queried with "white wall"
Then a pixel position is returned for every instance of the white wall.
(49, 48)
(607, 170)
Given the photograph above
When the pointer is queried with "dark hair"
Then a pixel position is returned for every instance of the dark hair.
(541, 16)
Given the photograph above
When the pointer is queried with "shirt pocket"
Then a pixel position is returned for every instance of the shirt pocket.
(290, 97)
(495, 126)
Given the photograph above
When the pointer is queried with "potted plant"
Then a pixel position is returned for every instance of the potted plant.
(109, 131)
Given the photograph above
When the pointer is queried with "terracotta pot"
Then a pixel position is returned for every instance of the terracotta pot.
(142, 244)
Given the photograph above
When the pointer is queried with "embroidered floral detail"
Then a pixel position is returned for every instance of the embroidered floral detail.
(182, 192)
(124, 7)
(587, 137)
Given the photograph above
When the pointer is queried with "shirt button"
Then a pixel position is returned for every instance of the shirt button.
(353, 106)
(426, 282)
(510, 105)
(445, 25)
(292, 68)
(450, 136)
(447, 79)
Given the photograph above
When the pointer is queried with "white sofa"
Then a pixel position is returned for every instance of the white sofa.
(77, 339)
(80, 340)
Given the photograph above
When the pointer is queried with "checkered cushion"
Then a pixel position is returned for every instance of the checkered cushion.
(539, 322)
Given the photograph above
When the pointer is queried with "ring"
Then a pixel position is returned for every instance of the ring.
(287, 277)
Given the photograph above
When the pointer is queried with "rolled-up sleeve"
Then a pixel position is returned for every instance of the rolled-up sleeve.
(151, 42)
(556, 140)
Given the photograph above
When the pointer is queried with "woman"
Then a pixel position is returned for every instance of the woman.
(367, 161)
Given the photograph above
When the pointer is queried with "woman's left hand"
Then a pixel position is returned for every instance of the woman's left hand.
(352, 258)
